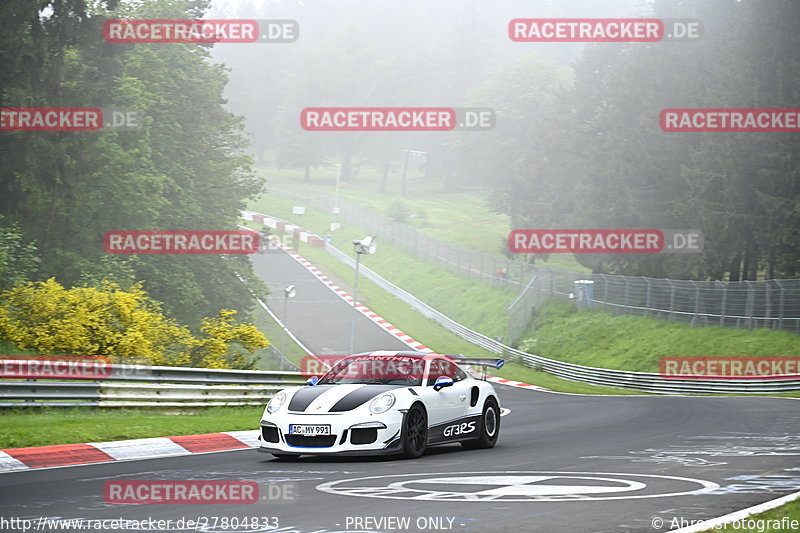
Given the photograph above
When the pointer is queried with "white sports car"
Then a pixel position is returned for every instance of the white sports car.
(384, 403)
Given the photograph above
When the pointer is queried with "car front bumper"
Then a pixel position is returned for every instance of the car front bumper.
(351, 434)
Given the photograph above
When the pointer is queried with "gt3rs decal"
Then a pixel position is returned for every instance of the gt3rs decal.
(455, 430)
(459, 429)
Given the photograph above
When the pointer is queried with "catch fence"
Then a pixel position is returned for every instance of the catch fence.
(773, 304)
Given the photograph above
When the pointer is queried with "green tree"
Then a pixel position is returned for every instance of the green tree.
(18, 259)
(185, 168)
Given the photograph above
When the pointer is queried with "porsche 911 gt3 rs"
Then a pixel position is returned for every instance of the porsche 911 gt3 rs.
(384, 403)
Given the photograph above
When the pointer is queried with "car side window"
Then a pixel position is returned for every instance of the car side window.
(458, 374)
(440, 367)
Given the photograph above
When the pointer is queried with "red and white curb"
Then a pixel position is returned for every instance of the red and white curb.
(512, 383)
(363, 309)
(17, 459)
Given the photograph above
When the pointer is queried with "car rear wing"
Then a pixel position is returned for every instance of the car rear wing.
(482, 362)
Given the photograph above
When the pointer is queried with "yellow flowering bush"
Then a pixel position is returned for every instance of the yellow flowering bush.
(126, 325)
(215, 347)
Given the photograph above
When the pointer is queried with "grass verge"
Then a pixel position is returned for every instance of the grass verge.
(428, 332)
(462, 218)
(626, 342)
(273, 331)
(519, 372)
(561, 332)
(767, 522)
(475, 304)
(33, 426)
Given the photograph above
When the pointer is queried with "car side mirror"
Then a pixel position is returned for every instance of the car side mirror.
(313, 381)
(442, 382)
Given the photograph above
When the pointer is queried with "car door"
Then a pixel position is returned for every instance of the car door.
(449, 403)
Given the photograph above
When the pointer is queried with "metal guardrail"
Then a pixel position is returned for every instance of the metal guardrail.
(640, 381)
(773, 304)
(160, 386)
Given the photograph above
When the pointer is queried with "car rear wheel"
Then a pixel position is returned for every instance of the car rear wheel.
(489, 428)
(415, 432)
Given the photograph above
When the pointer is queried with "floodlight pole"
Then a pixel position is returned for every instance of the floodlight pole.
(336, 193)
(405, 172)
(288, 292)
(355, 298)
(364, 246)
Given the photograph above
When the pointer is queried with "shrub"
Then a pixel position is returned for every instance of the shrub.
(127, 326)
(399, 211)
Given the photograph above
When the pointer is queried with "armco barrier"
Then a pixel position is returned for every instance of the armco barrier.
(640, 381)
(773, 304)
(160, 386)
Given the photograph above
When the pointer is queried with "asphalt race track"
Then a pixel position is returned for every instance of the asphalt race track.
(564, 463)
(317, 316)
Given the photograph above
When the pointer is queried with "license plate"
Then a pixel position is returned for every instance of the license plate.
(309, 430)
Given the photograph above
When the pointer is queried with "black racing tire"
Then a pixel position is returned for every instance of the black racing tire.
(286, 456)
(415, 432)
(489, 428)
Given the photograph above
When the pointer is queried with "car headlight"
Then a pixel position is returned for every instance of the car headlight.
(382, 403)
(276, 402)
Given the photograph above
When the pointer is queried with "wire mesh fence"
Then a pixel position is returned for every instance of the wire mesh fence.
(470, 263)
(771, 304)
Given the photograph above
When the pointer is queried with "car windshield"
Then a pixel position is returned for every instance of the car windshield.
(377, 370)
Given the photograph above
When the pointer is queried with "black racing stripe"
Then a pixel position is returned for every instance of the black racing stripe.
(360, 396)
(303, 398)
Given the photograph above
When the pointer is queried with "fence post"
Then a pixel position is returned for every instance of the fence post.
(647, 297)
(768, 304)
(780, 304)
(627, 292)
(671, 300)
(748, 307)
(724, 303)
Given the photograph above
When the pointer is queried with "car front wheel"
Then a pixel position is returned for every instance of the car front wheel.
(415, 432)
